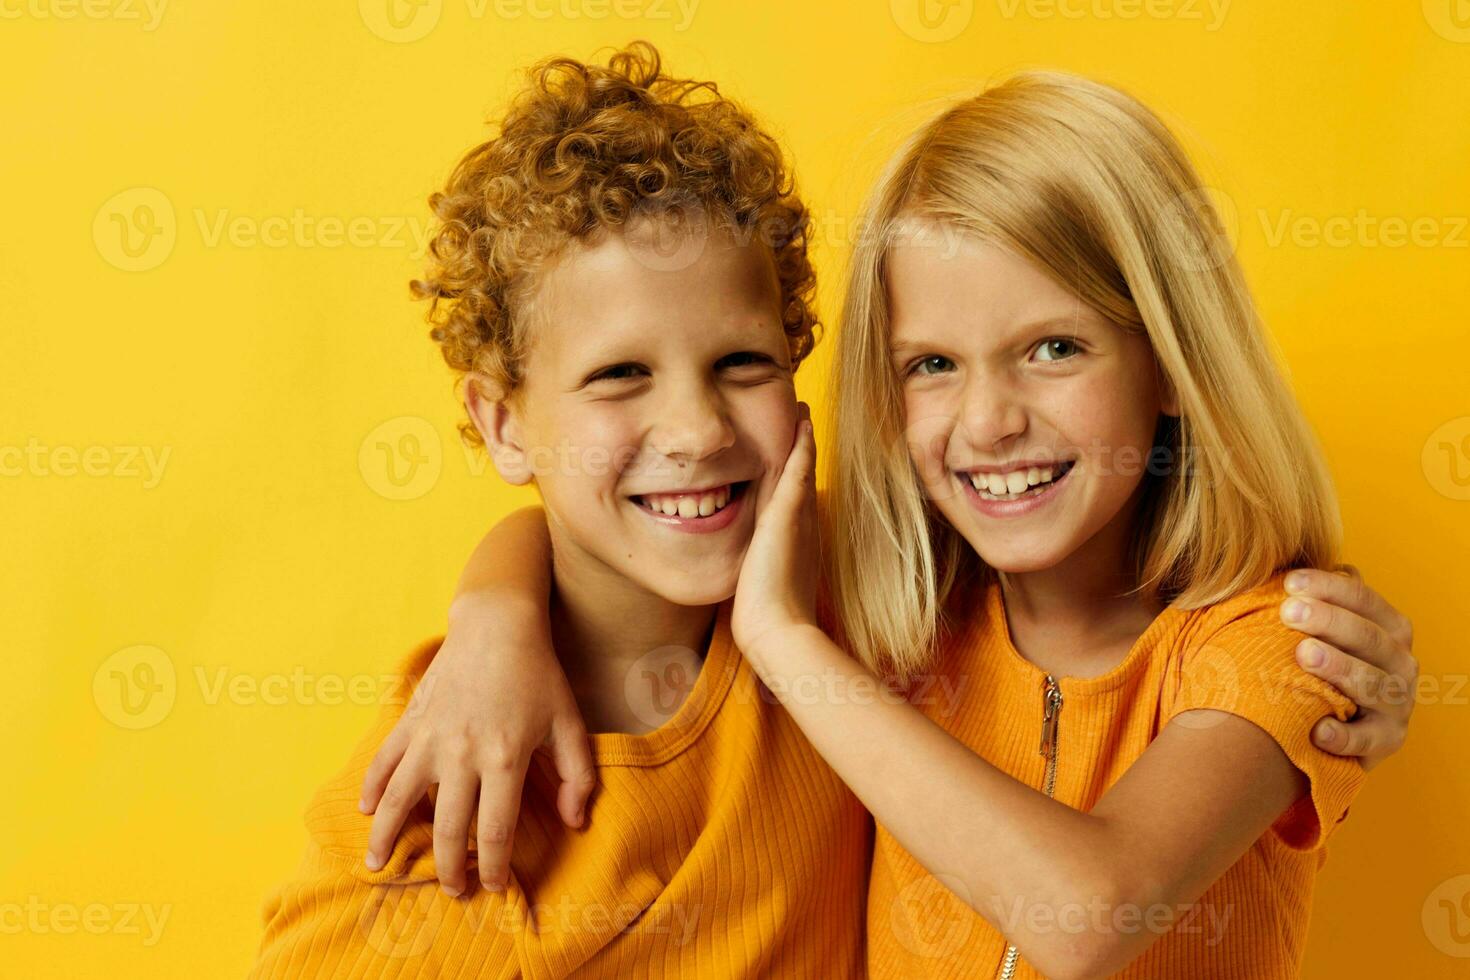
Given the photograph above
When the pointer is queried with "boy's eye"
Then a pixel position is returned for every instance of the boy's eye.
(618, 372)
(744, 358)
(932, 364)
(1056, 349)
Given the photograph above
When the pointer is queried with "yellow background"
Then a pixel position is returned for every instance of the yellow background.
(282, 368)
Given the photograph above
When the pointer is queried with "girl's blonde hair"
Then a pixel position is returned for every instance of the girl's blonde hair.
(1086, 182)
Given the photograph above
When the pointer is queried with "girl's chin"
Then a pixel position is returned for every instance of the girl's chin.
(1018, 558)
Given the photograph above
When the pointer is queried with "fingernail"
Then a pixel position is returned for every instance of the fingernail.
(362, 805)
(453, 891)
(1295, 611)
(1329, 731)
(1296, 582)
(581, 815)
(373, 861)
(494, 886)
(1309, 654)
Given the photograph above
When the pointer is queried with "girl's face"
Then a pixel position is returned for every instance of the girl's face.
(656, 410)
(1029, 415)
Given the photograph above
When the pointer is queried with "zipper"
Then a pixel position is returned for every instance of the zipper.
(1051, 712)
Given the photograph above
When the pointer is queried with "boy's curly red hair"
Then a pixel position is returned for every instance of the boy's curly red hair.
(585, 148)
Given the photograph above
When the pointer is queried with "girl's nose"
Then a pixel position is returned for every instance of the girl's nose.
(992, 412)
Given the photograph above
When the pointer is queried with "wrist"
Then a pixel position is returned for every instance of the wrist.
(778, 644)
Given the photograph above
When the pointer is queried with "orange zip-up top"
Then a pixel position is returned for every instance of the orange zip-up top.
(718, 845)
(1080, 736)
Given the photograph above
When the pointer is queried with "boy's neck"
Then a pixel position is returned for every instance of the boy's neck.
(1078, 618)
(603, 625)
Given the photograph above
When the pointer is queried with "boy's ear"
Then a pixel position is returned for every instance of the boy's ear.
(499, 425)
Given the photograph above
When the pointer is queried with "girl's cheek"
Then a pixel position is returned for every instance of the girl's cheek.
(929, 423)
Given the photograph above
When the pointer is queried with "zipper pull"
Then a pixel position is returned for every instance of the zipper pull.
(1051, 708)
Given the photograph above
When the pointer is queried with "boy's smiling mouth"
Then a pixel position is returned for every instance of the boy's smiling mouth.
(707, 509)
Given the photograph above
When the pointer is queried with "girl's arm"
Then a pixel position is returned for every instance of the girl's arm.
(1202, 792)
(493, 694)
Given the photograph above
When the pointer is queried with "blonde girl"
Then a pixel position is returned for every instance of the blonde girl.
(1067, 486)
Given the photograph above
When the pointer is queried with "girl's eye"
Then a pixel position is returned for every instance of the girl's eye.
(933, 364)
(1056, 349)
(619, 372)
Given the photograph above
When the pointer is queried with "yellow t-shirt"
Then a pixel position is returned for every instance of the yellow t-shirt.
(1235, 656)
(718, 845)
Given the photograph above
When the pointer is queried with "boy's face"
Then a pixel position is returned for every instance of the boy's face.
(655, 412)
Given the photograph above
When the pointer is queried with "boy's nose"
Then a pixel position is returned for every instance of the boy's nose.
(692, 429)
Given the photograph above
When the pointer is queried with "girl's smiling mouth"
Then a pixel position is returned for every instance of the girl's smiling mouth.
(694, 511)
(1017, 492)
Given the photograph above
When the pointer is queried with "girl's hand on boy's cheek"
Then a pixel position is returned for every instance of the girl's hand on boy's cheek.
(1363, 647)
(778, 578)
(493, 694)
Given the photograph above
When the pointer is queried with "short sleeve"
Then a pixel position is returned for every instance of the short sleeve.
(334, 917)
(1242, 660)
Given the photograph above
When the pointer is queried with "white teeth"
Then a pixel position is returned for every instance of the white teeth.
(686, 506)
(995, 486)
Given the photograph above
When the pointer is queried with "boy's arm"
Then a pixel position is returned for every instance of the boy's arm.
(1363, 646)
(493, 694)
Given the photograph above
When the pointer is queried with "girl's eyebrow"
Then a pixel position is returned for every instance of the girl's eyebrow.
(1061, 323)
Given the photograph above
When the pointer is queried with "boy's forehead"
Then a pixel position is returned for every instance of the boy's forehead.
(608, 283)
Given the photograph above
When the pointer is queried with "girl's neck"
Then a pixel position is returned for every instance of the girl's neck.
(1080, 617)
(603, 624)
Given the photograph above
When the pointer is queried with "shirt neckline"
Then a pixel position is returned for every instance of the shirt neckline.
(1138, 654)
(689, 721)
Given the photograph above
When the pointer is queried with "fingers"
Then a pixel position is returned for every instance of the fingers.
(573, 757)
(409, 783)
(1347, 589)
(1359, 680)
(452, 809)
(500, 803)
(390, 753)
(1370, 740)
(1342, 628)
(798, 476)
